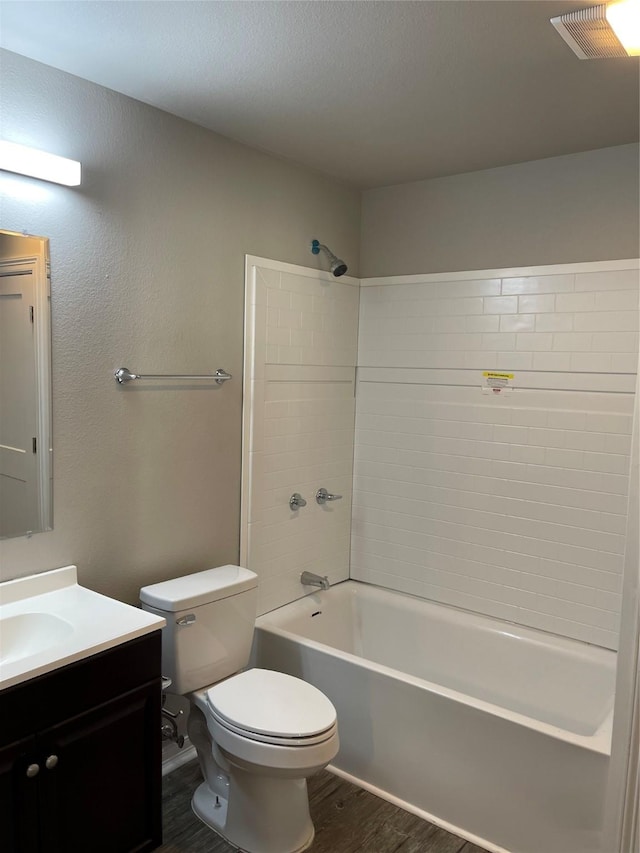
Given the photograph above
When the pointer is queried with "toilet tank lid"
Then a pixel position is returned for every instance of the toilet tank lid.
(198, 588)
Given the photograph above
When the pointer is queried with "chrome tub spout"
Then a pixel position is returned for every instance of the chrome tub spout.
(311, 579)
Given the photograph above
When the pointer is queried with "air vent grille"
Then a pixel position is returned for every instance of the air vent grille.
(588, 33)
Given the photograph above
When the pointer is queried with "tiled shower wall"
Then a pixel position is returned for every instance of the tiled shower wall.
(512, 505)
(301, 348)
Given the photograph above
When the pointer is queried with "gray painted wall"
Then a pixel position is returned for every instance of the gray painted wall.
(148, 273)
(580, 207)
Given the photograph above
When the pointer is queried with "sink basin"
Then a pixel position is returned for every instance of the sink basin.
(30, 633)
(48, 621)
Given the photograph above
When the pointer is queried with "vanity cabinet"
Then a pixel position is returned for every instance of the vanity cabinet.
(80, 756)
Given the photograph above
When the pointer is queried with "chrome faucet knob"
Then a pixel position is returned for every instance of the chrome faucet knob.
(322, 496)
(296, 501)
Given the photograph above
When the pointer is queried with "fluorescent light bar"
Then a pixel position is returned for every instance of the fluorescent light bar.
(623, 16)
(39, 164)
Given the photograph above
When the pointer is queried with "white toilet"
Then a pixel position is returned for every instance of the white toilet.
(258, 734)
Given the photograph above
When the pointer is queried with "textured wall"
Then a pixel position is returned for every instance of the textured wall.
(513, 505)
(148, 272)
(581, 207)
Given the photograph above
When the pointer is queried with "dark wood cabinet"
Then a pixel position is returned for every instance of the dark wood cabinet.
(80, 756)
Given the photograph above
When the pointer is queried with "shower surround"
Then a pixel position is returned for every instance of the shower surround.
(509, 504)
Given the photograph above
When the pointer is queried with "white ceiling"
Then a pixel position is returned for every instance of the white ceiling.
(373, 93)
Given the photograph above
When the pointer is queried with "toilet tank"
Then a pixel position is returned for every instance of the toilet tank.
(210, 618)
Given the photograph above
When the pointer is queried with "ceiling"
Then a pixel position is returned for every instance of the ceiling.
(372, 93)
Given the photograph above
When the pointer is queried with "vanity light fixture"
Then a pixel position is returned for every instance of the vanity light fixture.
(607, 31)
(623, 16)
(39, 164)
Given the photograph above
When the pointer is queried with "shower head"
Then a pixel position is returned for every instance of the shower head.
(337, 267)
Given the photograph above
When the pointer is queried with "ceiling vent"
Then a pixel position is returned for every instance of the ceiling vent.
(589, 34)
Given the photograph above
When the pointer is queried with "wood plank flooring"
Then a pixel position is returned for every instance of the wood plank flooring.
(347, 820)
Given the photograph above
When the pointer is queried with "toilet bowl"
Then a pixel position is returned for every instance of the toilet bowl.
(262, 734)
(259, 734)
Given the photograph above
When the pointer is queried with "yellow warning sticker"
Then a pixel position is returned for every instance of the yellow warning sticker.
(494, 382)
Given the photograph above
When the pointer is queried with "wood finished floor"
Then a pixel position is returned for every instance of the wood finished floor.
(347, 820)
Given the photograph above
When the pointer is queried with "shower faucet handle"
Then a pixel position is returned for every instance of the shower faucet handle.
(296, 501)
(322, 496)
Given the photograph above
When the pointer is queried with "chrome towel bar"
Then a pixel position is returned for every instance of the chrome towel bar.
(124, 375)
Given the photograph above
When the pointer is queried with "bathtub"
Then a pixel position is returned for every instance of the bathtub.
(498, 733)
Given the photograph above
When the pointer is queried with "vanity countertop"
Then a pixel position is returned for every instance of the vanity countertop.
(48, 621)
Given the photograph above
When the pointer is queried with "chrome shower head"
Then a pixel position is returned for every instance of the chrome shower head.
(338, 267)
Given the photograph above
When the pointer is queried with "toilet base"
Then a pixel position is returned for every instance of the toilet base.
(276, 834)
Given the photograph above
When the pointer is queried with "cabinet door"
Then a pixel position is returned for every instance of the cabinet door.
(101, 788)
(19, 797)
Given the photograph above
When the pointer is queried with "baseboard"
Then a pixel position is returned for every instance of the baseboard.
(173, 757)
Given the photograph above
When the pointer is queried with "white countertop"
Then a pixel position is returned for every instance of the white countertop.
(77, 623)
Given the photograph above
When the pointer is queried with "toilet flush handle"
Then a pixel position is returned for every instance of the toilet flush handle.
(189, 619)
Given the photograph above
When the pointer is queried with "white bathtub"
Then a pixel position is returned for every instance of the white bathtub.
(496, 732)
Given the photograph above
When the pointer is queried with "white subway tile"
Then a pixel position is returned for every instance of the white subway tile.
(482, 323)
(271, 354)
(572, 341)
(536, 304)
(552, 361)
(554, 322)
(614, 280)
(615, 342)
(534, 341)
(538, 284)
(500, 305)
(302, 301)
(499, 341)
(457, 306)
(510, 434)
(594, 362)
(289, 319)
(310, 321)
(278, 337)
(624, 362)
(513, 361)
(617, 300)
(517, 323)
(486, 360)
(607, 321)
(567, 420)
(278, 299)
(609, 422)
(576, 302)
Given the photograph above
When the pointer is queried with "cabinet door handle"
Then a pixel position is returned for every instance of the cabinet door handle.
(33, 770)
(51, 762)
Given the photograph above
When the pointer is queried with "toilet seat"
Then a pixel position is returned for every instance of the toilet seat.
(272, 707)
(274, 739)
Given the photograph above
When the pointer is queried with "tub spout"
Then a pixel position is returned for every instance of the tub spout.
(311, 579)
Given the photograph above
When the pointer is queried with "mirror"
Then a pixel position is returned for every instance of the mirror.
(26, 452)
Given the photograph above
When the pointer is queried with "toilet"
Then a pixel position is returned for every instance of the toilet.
(258, 734)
